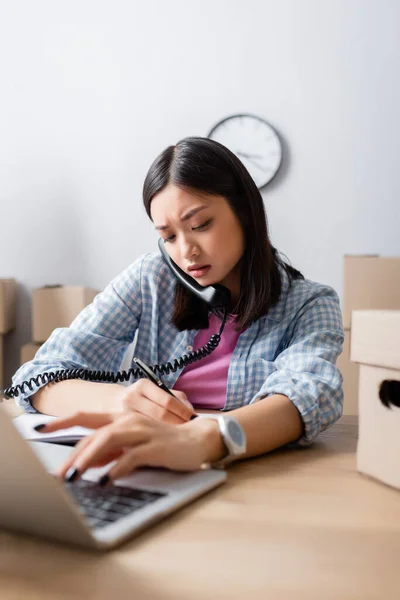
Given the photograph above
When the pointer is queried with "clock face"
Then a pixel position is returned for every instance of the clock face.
(254, 142)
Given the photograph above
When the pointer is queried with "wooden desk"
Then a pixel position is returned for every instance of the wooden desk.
(294, 524)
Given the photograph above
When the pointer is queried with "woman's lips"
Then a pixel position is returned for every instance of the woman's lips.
(200, 272)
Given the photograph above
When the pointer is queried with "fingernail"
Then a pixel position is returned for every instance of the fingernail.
(193, 417)
(104, 480)
(39, 427)
(71, 474)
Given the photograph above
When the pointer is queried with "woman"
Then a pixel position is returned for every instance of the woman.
(274, 369)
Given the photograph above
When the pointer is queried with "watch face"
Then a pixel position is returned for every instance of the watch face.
(235, 432)
(255, 143)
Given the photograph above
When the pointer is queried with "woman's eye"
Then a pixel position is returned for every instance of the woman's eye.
(169, 239)
(203, 226)
(198, 228)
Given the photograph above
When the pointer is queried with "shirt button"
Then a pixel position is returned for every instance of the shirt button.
(189, 348)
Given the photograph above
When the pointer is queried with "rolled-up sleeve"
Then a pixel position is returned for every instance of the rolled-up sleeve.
(97, 339)
(305, 371)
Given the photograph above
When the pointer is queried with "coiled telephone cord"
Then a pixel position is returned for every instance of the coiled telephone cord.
(119, 376)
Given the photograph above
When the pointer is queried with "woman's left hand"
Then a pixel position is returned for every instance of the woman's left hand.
(134, 441)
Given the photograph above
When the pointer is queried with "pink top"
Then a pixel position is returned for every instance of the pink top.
(204, 382)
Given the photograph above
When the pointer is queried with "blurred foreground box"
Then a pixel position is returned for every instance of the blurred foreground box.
(370, 282)
(374, 345)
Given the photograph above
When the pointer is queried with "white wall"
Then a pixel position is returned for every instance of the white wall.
(92, 90)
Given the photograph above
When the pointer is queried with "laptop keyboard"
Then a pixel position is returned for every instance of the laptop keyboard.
(104, 505)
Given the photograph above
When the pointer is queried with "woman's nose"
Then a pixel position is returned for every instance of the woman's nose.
(189, 249)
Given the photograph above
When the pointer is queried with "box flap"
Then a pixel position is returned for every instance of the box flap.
(375, 338)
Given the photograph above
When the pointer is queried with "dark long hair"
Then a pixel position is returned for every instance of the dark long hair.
(204, 165)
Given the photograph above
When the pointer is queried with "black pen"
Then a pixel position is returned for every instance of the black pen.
(147, 372)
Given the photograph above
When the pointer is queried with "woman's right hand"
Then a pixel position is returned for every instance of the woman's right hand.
(146, 398)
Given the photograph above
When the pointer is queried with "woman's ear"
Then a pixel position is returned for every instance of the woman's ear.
(389, 392)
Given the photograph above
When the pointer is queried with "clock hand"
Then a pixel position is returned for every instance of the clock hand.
(253, 162)
(256, 164)
(239, 153)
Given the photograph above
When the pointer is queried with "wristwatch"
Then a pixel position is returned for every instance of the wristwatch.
(234, 439)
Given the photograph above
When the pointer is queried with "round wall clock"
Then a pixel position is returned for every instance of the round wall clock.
(254, 141)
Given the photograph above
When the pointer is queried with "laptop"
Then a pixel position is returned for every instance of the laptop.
(34, 501)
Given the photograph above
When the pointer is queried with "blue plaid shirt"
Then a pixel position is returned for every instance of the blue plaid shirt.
(291, 351)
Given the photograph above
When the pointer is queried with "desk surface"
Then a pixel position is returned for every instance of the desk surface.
(293, 524)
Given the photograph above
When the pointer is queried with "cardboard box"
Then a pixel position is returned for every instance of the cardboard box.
(57, 306)
(28, 352)
(375, 338)
(374, 344)
(370, 282)
(378, 450)
(8, 297)
(350, 372)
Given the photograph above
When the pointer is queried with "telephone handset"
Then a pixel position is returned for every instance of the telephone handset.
(217, 296)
